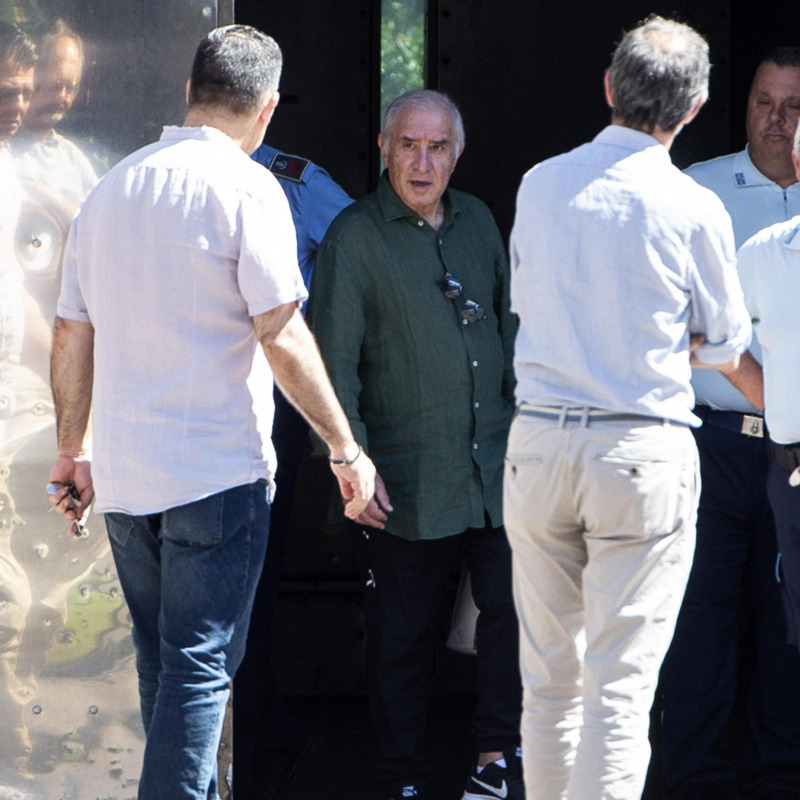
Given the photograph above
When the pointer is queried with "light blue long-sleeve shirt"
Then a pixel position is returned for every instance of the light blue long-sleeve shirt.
(616, 259)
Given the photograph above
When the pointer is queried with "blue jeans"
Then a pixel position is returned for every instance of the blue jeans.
(189, 575)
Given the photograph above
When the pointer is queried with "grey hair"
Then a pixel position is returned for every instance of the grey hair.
(235, 67)
(423, 100)
(658, 74)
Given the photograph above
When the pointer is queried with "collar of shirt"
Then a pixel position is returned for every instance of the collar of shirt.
(394, 208)
(630, 139)
(176, 133)
(745, 173)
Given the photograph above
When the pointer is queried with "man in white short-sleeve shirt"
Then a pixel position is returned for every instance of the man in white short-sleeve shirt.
(179, 263)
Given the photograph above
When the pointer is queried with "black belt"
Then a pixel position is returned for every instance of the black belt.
(787, 455)
(747, 424)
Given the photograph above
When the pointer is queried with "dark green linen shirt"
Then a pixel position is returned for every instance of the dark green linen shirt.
(428, 397)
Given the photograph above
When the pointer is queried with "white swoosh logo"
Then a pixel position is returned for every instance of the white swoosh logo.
(501, 792)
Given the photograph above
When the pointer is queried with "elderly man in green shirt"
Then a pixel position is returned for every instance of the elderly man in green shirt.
(410, 306)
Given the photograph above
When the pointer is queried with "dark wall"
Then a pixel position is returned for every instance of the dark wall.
(329, 84)
(529, 82)
(527, 75)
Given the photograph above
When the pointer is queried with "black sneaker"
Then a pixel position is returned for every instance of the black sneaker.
(494, 783)
(403, 792)
(516, 785)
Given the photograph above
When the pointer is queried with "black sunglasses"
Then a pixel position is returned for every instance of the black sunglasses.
(453, 288)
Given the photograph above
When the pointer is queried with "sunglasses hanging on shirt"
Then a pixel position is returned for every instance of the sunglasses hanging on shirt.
(454, 289)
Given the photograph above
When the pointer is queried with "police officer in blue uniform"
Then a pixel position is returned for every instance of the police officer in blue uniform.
(314, 197)
(267, 743)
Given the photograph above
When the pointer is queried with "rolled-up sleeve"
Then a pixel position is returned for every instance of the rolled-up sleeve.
(71, 304)
(718, 308)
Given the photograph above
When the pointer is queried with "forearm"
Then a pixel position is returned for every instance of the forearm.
(748, 378)
(71, 378)
(300, 374)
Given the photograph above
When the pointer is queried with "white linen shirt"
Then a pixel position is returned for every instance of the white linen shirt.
(769, 266)
(616, 258)
(754, 202)
(169, 257)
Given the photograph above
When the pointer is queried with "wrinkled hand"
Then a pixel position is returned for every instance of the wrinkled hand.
(68, 472)
(356, 484)
(379, 507)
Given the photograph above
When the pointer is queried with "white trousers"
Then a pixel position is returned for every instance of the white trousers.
(601, 519)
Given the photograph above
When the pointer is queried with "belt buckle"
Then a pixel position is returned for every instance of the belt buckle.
(752, 426)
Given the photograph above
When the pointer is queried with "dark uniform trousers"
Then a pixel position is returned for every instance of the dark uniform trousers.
(404, 586)
(729, 661)
(785, 501)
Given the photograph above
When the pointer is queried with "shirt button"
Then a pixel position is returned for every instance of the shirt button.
(474, 363)
(475, 446)
(465, 322)
(477, 405)
(420, 223)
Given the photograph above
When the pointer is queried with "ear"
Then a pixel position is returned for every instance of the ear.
(608, 89)
(188, 89)
(796, 163)
(265, 115)
(694, 112)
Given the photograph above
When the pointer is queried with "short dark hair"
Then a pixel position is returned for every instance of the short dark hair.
(235, 67)
(16, 46)
(782, 57)
(659, 72)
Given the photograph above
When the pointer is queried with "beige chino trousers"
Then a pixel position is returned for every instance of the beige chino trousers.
(601, 519)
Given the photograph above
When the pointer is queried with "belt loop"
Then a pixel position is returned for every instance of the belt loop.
(585, 417)
(562, 417)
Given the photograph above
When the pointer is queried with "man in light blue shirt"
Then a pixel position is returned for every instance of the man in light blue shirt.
(730, 645)
(769, 264)
(621, 266)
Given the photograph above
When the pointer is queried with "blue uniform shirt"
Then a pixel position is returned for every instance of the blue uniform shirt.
(315, 199)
